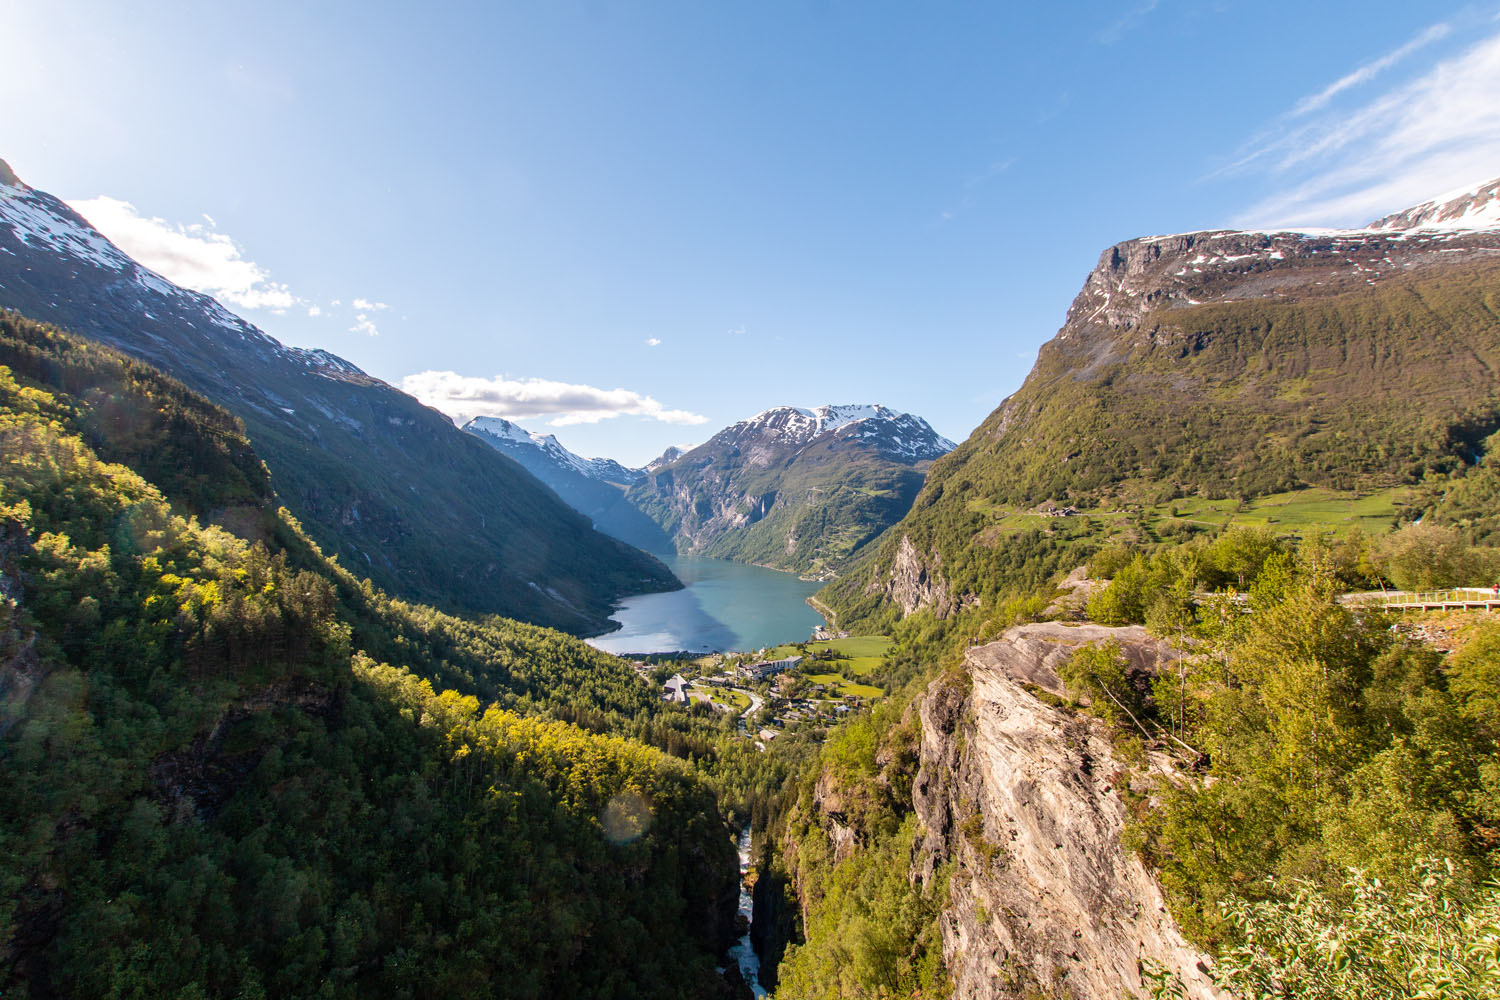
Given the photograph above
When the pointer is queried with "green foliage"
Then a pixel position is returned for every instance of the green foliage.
(870, 931)
(1367, 941)
(1096, 673)
(129, 413)
(211, 792)
(870, 925)
(1332, 745)
(1465, 497)
(1474, 678)
(1430, 557)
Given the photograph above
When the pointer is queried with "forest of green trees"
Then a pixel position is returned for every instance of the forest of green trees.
(232, 769)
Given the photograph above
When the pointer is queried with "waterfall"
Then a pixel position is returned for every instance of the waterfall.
(742, 953)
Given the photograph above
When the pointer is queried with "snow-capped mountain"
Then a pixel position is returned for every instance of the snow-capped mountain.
(1141, 276)
(595, 487)
(57, 238)
(388, 484)
(512, 437)
(901, 436)
(1474, 207)
(793, 488)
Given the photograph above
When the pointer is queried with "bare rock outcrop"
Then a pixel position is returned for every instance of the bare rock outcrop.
(1030, 801)
(1074, 592)
(915, 582)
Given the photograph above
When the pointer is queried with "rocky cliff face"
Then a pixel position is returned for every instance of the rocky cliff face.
(1031, 801)
(916, 582)
(1122, 299)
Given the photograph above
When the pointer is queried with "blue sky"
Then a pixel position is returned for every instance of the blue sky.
(632, 224)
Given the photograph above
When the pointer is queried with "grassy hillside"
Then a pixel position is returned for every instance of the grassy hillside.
(1366, 407)
(215, 786)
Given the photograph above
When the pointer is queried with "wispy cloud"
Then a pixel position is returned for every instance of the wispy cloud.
(1370, 70)
(1126, 21)
(365, 325)
(653, 341)
(1337, 164)
(364, 321)
(196, 255)
(463, 396)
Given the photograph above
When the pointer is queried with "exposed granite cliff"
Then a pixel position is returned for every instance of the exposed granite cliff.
(1031, 801)
(916, 582)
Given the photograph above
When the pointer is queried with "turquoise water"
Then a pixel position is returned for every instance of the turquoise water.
(725, 605)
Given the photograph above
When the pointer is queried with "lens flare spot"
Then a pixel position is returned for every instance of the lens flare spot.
(627, 816)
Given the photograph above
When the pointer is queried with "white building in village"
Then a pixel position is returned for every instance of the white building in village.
(768, 668)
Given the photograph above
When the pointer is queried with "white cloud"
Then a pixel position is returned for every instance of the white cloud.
(653, 342)
(365, 325)
(365, 305)
(1415, 141)
(463, 396)
(195, 256)
(314, 310)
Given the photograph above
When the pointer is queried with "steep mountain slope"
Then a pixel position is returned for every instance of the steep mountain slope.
(389, 485)
(595, 487)
(791, 488)
(1221, 365)
(237, 802)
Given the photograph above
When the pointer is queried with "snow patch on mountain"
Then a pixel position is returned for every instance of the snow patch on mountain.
(42, 222)
(1460, 212)
(902, 434)
(506, 433)
(1474, 207)
(38, 224)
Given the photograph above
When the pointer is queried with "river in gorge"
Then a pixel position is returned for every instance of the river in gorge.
(723, 606)
(742, 953)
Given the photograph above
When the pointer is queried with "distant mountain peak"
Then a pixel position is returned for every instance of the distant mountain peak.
(666, 458)
(902, 434)
(8, 177)
(792, 487)
(507, 436)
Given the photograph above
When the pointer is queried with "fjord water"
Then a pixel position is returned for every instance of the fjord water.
(724, 605)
